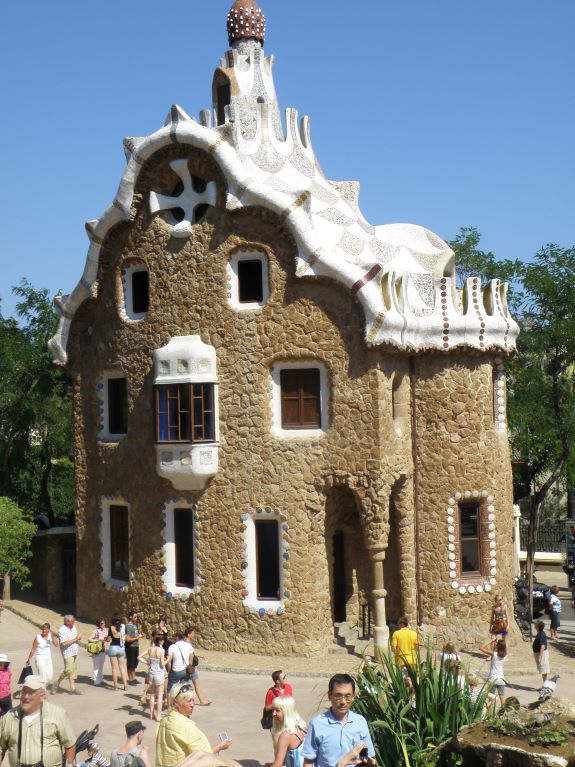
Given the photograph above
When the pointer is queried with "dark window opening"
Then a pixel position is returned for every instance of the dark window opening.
(267, 559)
(199, 184)
(223, 99)
(184, 544)
(140, 292)
(185, 413)
(300, 398)
(119, 543)
(200, 211)
(117, 406)
(470, 538)
(250, 281)
(179, 214)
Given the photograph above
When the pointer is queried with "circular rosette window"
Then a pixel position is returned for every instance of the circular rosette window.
(188, 203)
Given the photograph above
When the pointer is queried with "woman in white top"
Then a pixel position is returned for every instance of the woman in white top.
(497, 652)
(41, 650)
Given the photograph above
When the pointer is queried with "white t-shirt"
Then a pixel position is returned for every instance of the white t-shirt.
(496, 669)
(180, 654)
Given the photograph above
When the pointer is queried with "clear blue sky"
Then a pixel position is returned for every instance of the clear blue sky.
(449, 112)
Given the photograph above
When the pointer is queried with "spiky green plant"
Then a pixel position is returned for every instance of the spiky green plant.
(407, 726)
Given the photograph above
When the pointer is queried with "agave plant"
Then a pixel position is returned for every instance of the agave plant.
(410, 717)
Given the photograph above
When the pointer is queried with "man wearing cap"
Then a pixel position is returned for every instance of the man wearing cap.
(36, 731)
(132, 753)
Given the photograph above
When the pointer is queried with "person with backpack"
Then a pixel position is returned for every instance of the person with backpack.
(132, 753)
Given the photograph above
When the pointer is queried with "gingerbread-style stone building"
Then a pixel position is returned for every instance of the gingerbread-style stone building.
(285, 417)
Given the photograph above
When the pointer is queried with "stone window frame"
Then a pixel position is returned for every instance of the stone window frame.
(276, 399)
(126, 304)
(104, 434)
(111, 583)
(474, 582)
(263, 607)
(247, 254)
(169, 548)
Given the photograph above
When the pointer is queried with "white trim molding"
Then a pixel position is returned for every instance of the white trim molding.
(276, 399)
(169, 550)
(106, 543)
(234, 284)
(263, 607)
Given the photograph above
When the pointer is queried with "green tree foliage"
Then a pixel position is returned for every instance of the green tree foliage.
(470, 261)
(15, 541)
(35, 409)
(541, 377)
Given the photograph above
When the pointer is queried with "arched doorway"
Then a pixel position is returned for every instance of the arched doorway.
(350, 571)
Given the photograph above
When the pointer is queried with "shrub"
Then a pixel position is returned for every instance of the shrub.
(407, 727)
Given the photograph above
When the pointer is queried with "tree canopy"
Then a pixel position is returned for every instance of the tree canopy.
(15, 542)
(35, 411)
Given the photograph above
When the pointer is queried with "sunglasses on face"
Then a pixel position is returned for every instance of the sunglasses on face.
(184, 688)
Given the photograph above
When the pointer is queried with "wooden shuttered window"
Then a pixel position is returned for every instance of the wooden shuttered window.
(300, 398)
(472, 547)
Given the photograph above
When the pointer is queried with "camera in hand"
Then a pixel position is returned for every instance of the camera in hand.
(363, 753)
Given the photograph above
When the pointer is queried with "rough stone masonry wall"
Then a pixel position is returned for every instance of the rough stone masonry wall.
(461, 451)
(303, 320)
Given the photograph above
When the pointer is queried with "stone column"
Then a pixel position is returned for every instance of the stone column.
(380, 629)
(404, 504)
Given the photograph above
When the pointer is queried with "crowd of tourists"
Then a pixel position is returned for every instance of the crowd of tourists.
(37, 732)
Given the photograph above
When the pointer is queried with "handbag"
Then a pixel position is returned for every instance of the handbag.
(267, 716)
(26, 671)
(95, 646)
(192, 662)
(267, 720)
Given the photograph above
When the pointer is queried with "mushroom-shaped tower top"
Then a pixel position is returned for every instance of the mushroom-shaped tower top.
(246, 21)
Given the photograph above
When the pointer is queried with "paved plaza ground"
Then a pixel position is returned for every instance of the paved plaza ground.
(236, 684)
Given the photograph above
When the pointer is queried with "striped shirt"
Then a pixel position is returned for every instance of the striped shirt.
(58, 735)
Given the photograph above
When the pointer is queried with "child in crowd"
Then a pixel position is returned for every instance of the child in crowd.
(95, 757)
(496, 651)
(5, 685)
(475, 690)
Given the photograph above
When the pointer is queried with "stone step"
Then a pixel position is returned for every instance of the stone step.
(348, 639)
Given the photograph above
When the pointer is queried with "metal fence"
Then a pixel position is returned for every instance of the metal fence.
(551, 536)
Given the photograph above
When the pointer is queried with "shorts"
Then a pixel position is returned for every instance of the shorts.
(70, 667)
(175, 677)
(5, 705)
(543, 666)
(132, 656)
(115, 651)
(499, 686)
(555, 620)
(156, 678)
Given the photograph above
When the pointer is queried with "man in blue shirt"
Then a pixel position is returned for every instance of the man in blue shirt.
(336, 737)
